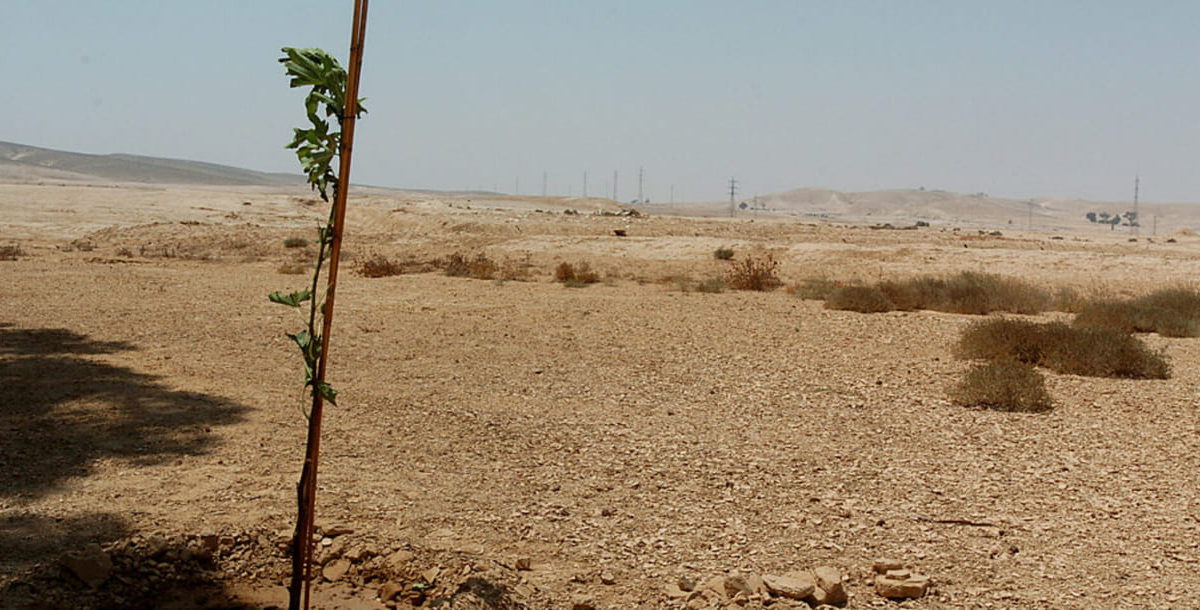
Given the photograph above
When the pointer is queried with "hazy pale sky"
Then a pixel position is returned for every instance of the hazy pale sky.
(1013, 98)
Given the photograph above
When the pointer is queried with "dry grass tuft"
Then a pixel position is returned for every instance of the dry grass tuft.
(381, 266)
(10, 253)
(1091, 352)
(754, 273)
(714, 285)
(575, 276)
(1005, 385)
(863, 299)
(967, 292)
(291, 269)
(481, 267)
(295, 242)
(814, 289)
(723, 254)
(1172, 312)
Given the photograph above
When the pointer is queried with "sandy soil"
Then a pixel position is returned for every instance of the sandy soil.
(618, 436)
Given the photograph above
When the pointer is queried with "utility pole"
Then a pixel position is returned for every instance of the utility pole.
(641, 174)
(1136, 218)
(543, 184)
(585, 183)
(1030, 222)
(672, 193)
(732, 194)
(615, 186)
(517, 186)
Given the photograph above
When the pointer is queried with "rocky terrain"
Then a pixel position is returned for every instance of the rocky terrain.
(504, 444)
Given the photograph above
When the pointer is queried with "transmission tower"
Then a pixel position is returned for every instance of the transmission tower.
(641, 175)
(615, 186)
(585, 183)
(732, 194)
(1136, 218)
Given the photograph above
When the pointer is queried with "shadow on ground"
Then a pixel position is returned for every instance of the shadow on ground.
(62, 411)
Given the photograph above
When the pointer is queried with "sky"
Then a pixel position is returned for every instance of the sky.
(1014, 98)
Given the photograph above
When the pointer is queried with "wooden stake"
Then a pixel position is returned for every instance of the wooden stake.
(306, 492)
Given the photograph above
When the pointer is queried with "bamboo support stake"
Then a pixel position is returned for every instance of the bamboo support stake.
(302, 543)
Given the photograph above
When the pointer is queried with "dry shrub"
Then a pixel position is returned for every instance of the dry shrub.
(754, 273)
(713, 285)
(380, 266)
(1172, 312)
(10, 253)
(967, 292)
(575, 276)
(1091, 352)
(295, 242)
(294, 269)
(723, 254)
(1005, 385)
(863, 299)
(480, 267)
(814, 289)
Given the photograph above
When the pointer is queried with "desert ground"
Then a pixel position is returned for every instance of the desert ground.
(525, 444)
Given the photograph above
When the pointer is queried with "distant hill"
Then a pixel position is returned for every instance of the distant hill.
(19, 162)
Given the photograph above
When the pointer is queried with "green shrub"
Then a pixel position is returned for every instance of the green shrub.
(863, 299)
(1004, 385)
(1092, 352)
(754, 273)
(723, 254)
(295, 242)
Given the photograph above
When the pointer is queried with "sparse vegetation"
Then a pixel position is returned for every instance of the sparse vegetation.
(967, 292)
(295, 242)
(291, 269)
(814, 289)
(1173, 312)
(380, 266)
(1004, 385)
(1091, 352)
(723, 254)
(575, 276)
(754, 273)
(713, 285)
(480, 267)
(10, 253)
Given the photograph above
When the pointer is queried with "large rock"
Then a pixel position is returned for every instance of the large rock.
(797, 586)
(89, 564)
(336, 570)
(830, 589)
(898, 585)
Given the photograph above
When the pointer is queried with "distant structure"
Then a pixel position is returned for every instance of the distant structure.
(1136, 222)
(543, 184)
(585, 183)
(732, 195)
(641, 176)
(614, 197)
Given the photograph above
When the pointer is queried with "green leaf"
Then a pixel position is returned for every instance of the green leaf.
(301, 338)
(291, 300)
(327, 392)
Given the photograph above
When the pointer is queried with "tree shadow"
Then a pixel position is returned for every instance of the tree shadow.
(63, 409)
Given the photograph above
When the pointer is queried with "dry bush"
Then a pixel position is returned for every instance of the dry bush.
(967, 292)
(714, 285)
(1091, 352)
(380, 266)
(814, 289)
(575, 276)
(1172, 312)
(723, 254)
(754, 273)
(10, 253)
(294, 269)
(1005, 385)
(863, 299)
(295, 242)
